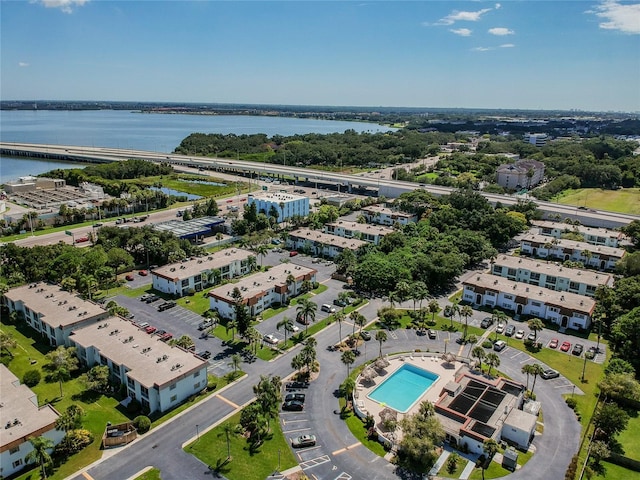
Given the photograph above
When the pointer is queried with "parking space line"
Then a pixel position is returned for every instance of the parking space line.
(518, 353)
(344, 476)
(285, 422)
(298, 430)
(314, 461)
(228, 402)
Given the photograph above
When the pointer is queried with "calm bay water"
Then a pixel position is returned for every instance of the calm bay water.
(131, 130)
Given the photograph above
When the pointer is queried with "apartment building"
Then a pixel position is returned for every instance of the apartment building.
(286, 204)
(52, 311)
(550, 275)
(599, 257)
(261, 290)
(568, 310)
(386, 216)
(22, 419)
(361, 231)
(198, 273)
(320, 243)
(521, 174)
(158, 375)
(592, 235)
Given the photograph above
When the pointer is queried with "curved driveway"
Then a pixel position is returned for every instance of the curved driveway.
(338, 454)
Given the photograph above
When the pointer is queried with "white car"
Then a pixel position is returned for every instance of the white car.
(520, 334)
(500, 328)
(270, 338)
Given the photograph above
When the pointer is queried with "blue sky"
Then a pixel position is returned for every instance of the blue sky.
(540, 54)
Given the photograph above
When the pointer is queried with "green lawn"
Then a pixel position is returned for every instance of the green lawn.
(462, 463)
(153, 474)
(616, 472)
(625, 200)
(357, 428)
(629, 439)
(245, 464)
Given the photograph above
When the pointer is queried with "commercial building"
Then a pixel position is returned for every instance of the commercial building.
(31, 184)
(568, 310)
(319, 243)
(537, 139)
(22, 419)
(387, 216)
(156, 374)
(198, 273)
(550, 275)
(361, 231)
(287, 205)
(195, 229)
(261, 290)
(592, 235)
(521, 174)
(52, 311)
(598, 257)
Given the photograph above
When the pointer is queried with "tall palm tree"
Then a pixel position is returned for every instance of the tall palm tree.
(493, 360)
(536, 369)
(527, 370)
(490, 447)
(339, 317)
(228, 429)
(287, 324)
(381, 337)
(307, 311)
(348, 357)
(479, 354)
(236, 361)
(535, 325)
(39, 453)
(434, 308)
(261, 251)
(466, 312)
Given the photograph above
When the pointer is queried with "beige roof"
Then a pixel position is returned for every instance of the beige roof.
(521, 420)
(197, 265)
(588, 277)
(601, 232)
(260, 283)
(571, 301)
(326, 239)
(361, 227)
(19, 407)
(373, 209)
(573, 245)
(125, 344)
(56, 307)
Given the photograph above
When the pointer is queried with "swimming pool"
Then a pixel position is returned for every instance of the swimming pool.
(404, 387)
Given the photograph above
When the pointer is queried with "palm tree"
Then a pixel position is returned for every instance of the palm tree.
(381, 337)
(418, 293)
(344, 298)
(536, 369)
(39, 453)
(466, 312)
(480, 354)
(500, 318)
(356, 317)
(347, 387)
(236, 361)
(339, 317)
(490, 447)
(535, 325)
(228, 429)
(434, 308)
(261, 250)
(348, 357)
(493, 360)
(287, 324)
(307, 311)
(527, 370)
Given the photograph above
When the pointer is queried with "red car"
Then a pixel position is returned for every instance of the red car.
(293, 253)
(150, 329)
(554, 343)
(565, 346)
(166, 337)
(143, 273)
(82, 239)
(129, 278)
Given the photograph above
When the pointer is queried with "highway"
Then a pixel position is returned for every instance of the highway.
(386, 187)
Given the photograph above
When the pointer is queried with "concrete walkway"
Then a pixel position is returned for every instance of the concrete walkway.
(466, 473)
(439, 463)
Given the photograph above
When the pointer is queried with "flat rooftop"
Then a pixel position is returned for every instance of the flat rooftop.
(565, 227)
(276, 196)
(373, 209)
(573, 245)
(326, 239)
(260, 283)
(152, 361)
(189, 228)
(588, 277)
(56, 307)
(567, 300)
(196, 265)
(19, 408)
(366, 228)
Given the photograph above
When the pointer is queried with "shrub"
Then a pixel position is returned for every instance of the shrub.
(452, 462)
(134, 406)
(31, 378)
(487, 344)
(74, 441)
(142, 423)
(571, 402)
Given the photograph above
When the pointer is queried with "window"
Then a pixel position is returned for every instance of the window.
(17, 463)
(130, 382)
(196, 386)
(534, 276)
(511, 272)
(508, 297)
(172, 387)
(535, 304)
(103, 360)
(173, 398)
(185, 283)
(197, 374)
(144, 391)
(14, 450)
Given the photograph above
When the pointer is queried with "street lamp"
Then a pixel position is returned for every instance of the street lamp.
(197, 432)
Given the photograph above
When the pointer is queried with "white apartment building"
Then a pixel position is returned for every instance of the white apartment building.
(521, 174)
(319, 243)
(537, 139)
(286, 204)
(550, 275)
(386, 216)
(592, 235)
(361, 231)
(158, 375)
(568, 310)
(598, 257)
(198, 273)
(261, 290)
(22, 419)
(52, 311)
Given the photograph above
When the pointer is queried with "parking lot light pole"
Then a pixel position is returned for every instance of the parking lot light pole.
(197, 432)
(584, 366)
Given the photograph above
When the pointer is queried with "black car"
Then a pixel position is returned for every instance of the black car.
(486, 322)
(166, 306)
(338, 302)
(152, 299)
(296, 385)
(365, 335)
(204, 355)
(293, 406)
(294, 397)
(577, 349)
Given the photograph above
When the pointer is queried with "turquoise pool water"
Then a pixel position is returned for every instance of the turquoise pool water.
(404, 387)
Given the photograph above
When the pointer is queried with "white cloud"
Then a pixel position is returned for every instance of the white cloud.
(457, 15)
(498, 6)
(625, 18)
(500, 31)
(463, 32)
(23, 64)
(65, 5)
(507, 45)
(481, 49)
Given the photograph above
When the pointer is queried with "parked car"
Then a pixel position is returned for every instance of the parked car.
(166, 337)
(82, 239)
(160, 332)
(296, 385)
(143, 273)
(554, 343)
(293, 406)
(327, 308)
(432, 334)
(270, 338)
(520, 334)
(578, 348)
(143, 325)
(298, 397)
(146, 296)
(301, 319)
(152, 298)
(550, 373)
(303, 441)
(486, 322)
(565, 346)
(338, 302)
(499, 345)
(500, 328)
(205, 324)
(511, 329)
(204, 355)
(531, 337)
(293, 253)
(129, 277)
(150, 329)
(365, 335)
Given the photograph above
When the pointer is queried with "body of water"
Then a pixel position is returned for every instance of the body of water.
(138, 131)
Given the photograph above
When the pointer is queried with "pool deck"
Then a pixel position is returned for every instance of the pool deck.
(427, 361)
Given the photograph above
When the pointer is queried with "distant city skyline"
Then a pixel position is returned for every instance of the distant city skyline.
(537, 55)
